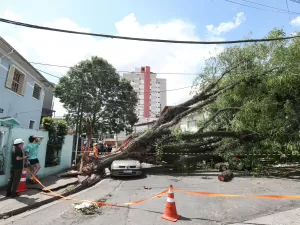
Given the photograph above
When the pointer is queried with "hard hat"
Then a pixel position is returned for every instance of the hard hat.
(18, 141)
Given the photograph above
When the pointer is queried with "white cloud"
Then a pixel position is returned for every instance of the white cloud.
(296, 21)
(7, 14)
(67, 49)
(227, 26)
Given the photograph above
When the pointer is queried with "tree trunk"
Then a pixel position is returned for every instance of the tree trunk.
(226, 176)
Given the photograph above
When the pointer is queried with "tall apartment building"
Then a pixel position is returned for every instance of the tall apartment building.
(152, 95)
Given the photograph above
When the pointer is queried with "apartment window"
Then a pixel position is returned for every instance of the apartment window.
(37, 91)
(31, 124)
(16, 80)
(191, 124)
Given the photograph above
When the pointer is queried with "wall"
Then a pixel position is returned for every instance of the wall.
(4, 153)
(66, 153)
(183, 124)
(65, 158)
(23, 108)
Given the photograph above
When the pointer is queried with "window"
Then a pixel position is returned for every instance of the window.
(37, 91)
(16, 80)
(191, 124)
(31, 124)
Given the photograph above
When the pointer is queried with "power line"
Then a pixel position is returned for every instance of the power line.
(146, 39)
(254, 7)
(139, 92)
(48, 73)
(268, 6)
(118, 71)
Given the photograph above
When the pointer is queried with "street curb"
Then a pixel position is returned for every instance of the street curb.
(54, 198)
(53, 189)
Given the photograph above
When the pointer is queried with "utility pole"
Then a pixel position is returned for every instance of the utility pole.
(78, 128)
(77, 133)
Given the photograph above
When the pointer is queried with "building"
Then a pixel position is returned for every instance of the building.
(188, 123)
(152, 95)
(152, 98)
(48, 103)
(22, 89)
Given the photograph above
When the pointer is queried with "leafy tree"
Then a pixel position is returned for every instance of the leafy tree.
(101, 94)
(268, 104)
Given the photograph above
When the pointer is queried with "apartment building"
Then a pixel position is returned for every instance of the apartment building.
(152, 95)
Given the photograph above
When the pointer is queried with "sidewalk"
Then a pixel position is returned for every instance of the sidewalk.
(36, 196)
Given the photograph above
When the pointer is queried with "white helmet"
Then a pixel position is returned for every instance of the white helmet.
(18, 141)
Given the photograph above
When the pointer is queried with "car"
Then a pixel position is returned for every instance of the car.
(126, 167)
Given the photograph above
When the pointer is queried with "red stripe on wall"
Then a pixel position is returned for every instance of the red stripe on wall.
(147, 92)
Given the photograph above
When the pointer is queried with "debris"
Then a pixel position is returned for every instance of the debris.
(86, 208)
(148, 188)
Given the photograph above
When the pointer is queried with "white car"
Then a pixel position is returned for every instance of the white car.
(126, 167)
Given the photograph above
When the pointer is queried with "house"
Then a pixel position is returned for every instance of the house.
(188, 123)
(22, 89)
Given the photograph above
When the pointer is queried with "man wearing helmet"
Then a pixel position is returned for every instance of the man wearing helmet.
(16, 169)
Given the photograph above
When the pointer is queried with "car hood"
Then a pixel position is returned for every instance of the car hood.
(126, 163)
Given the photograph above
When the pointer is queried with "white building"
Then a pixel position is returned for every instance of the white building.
(152, 95)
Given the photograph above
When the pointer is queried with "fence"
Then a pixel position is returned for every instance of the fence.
(5, 151)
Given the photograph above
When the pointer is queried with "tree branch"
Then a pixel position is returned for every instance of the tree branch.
(215, 115)
(199, 96)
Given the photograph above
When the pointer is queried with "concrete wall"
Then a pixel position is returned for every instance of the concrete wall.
(65, 159)
(23, 108)
(185, 123)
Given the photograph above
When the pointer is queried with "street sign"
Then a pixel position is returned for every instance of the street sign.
(1, 110)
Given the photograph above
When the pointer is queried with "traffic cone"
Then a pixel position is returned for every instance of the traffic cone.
(170, 211)
(22, 184)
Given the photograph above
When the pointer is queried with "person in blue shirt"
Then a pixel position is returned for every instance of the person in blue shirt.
(32, 151)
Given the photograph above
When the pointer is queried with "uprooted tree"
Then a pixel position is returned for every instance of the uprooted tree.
(249, 96)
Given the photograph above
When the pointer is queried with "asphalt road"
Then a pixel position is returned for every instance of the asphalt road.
(194, 209)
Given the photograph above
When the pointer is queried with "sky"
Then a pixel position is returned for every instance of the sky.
(195, 20)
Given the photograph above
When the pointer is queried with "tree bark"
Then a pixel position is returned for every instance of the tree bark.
(226, 176)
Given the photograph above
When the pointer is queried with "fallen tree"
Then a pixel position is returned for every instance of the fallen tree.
(251, 97)
(209, 141)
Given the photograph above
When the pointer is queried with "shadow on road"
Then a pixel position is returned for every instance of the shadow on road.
(144, 176)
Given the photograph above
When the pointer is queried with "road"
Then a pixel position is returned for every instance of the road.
(194, 209)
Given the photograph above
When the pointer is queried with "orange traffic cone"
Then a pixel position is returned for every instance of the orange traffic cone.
(171, 212)
(22, 184)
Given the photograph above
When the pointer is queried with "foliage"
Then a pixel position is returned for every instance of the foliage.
(57, 131)
(105, 98)
(266, 102)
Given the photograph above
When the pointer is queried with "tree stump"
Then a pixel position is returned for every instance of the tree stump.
(226, 176)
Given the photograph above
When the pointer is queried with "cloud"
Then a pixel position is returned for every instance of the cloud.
(7, 14)
(227, 26)
(68, 49)
(296, 21)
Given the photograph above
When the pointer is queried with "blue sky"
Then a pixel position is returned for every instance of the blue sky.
(101, 15)
(165, 19)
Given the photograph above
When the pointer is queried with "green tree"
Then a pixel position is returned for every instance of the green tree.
(101, 94)
(268, 103)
